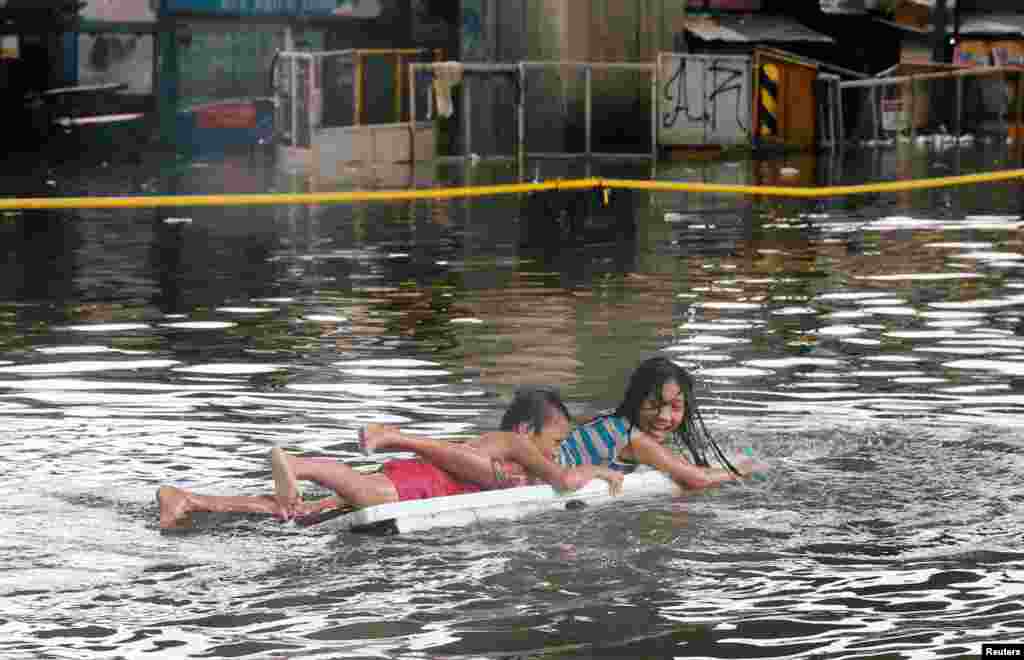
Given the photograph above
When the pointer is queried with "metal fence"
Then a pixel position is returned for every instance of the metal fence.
(569, 109)
(962, 103)
(545, 98)
(331, 89)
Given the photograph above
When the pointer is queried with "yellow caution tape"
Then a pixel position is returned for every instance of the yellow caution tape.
(153, 201)
(265, 199)
(825, 191)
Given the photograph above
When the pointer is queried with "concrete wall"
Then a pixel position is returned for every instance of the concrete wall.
(491, 31)
(619, 31)
(566, 30)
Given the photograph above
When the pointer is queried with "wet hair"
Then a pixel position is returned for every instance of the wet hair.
(692, 436)
(533, 406)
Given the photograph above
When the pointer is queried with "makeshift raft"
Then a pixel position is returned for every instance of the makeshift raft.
(504, 504)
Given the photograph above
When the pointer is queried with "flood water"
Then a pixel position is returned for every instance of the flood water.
(870, 349)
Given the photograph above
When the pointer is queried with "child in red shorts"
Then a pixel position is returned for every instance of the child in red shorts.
(534, 426)
(522, 452)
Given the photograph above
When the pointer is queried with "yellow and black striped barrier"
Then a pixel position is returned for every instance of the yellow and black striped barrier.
(599, 184)
(768, 100)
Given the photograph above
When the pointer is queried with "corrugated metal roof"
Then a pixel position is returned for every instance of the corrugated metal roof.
(752, 28)
(992, 24)
(870, 6)
(950, 4)
(928, 29)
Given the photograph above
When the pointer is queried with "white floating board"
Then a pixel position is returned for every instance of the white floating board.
(503, 504)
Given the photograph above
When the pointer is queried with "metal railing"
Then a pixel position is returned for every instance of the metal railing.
(303, 76)
(875, 85)
(467, 96)
(521, 69)
(830, 111)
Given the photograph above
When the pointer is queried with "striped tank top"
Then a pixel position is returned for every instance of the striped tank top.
(597, 442)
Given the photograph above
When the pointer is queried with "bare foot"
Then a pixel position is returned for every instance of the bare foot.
(286, 489)
(307, 509)
(174, 511)
(376, 436)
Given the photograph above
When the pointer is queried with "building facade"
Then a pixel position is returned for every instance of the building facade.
(601, 31)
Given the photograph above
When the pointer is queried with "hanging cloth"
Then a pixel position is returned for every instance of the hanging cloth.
(446, 76)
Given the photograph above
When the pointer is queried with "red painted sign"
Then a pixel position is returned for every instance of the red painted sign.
(239, 114)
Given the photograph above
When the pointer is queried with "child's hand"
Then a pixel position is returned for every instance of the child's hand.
(614, 480)
(746, 464)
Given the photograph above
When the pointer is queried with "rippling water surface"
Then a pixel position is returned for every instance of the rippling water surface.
(870, 349)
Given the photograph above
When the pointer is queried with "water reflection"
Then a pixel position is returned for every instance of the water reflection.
(869, 348)
(39, 263)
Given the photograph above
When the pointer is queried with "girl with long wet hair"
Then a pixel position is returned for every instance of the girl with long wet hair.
(692, 435)
(659, 424)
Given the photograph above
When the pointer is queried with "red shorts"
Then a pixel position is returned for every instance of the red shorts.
(417, 480)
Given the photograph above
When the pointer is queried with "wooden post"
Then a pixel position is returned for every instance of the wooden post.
(358, 101)
(830, 112)
(168, 81)
(913, 108)
(466, 116)
(294, 100)
(1019, 127)
(703, 92)
(876, 112)
(820, 106)
(939, 22)
(412, 116)
(959, 105)
(588, 108)
(840, 119)
(654, 115)
(522, 120)
(398, 88)
(1018, 141)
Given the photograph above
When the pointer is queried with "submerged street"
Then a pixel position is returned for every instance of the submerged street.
(868, 348)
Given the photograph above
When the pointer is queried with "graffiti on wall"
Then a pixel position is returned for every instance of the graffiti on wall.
(704, 99)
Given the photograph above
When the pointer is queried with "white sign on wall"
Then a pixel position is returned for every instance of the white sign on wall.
(9, 47)
(116, 58)
(119, 10)
(358, 8)
(703, 99)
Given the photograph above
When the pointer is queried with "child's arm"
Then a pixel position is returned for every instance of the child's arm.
(584, 474)
(649, 452)
(524, 452)
(462, 460)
